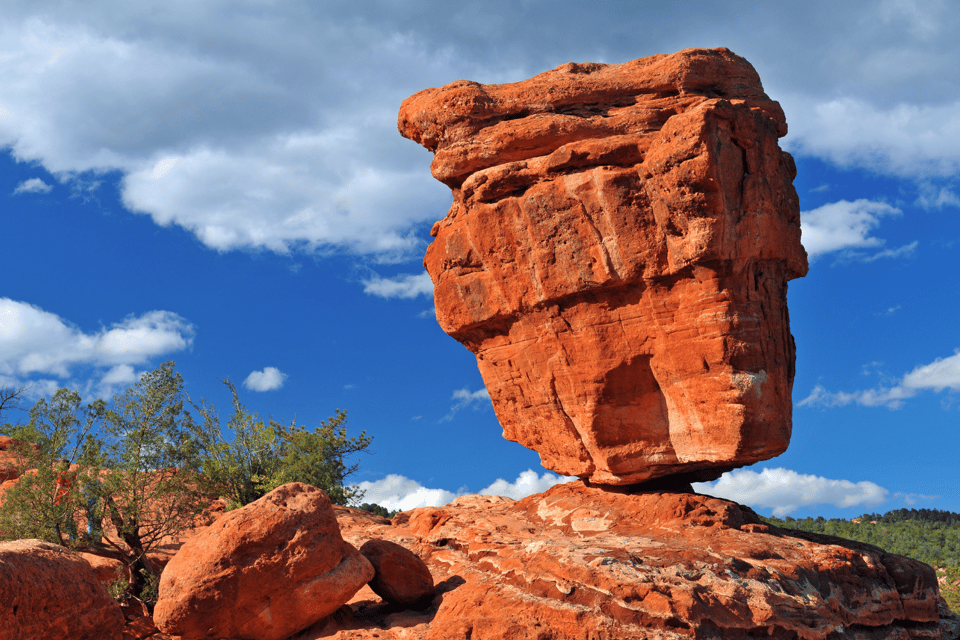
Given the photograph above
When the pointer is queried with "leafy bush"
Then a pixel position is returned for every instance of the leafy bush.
(142, 464)
(378, 510)
(264, 455)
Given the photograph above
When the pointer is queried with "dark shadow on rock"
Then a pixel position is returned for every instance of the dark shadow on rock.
(377, 614)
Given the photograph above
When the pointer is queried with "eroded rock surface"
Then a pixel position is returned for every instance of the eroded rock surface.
(264, 571)
(47, 591)
(585, 562)
(617, 257)
(401, 576)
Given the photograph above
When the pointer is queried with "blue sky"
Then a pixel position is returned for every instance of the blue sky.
(222, 184)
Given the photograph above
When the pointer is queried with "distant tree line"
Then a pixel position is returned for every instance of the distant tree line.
(927, 535)
(922, 515)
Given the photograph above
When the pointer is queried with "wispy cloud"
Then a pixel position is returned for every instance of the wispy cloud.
(465, 398)
(942, 373)
(403, 286)
(785, 490)
(33, 185)
(269, 379)
(936, 197)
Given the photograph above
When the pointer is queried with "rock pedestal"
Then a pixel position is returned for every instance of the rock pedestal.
(617, 257)
(590, 562)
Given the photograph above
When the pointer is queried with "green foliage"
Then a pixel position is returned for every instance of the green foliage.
(317, 457)
(928, 535)
(130, 462)
(44, 503)
(239, 470)
(119, 588)
(378, 510)
(950, 587)
(152, 489)
(142, 464)
(935, 540)
(264, 455)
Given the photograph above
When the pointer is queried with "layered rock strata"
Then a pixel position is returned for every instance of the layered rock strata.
(617, 257)
(585, 562)
(47, 591)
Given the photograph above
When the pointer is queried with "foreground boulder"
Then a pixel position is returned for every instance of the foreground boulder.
(401, 576)
(617, 257)
(262, 572)
(47, 591)
(585, 562)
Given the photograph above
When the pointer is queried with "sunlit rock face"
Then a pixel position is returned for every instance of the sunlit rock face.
(617, 257)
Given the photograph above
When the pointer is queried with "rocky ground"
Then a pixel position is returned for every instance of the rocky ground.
(576, 562)
(585, 563)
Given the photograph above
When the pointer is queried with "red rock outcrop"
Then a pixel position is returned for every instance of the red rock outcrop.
(47, 591)
(586, 562)
(264, 571)
(400, 577)
(617, 257)
(10, 462)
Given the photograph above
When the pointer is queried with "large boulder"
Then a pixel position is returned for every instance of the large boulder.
(401, 576)
(47, 591)
(262, 572)
(592, 562)
(617, 257)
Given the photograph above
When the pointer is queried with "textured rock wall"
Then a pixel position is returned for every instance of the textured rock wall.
(47, 591)
(617, 257)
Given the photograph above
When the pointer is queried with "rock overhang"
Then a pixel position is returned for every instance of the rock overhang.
(616, 256)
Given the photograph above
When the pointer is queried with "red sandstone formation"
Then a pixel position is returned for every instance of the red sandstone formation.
(10, 462)
(579, 562)
(264, 571)
(49, 592)
(401, 576)
(617, 257)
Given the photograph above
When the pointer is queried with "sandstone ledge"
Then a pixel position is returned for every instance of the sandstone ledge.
(579, 562)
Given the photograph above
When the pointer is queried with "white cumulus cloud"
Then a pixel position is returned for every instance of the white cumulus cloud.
(784, 490)
(527, 483)
(842, 225)
(267, 380)
(399, 493)
(34, 341)
(917, 141)
(403, 286)
(33, 185)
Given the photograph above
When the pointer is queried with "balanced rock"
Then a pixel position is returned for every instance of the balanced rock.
(401, 576)
(262, 572)
(47, 591)
(617, 257)
(592, 562)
